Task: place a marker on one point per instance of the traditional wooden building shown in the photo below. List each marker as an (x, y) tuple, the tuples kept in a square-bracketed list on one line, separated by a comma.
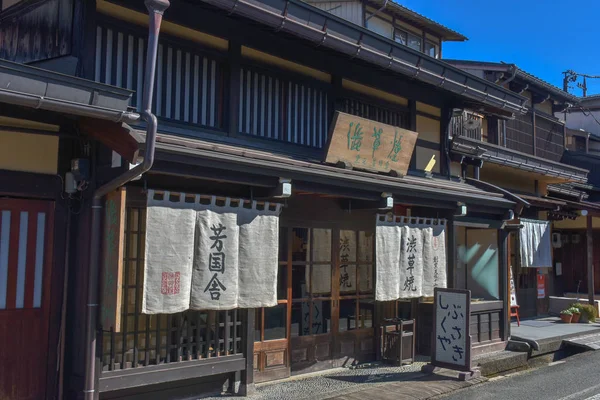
[(524, 156), (247, 96)]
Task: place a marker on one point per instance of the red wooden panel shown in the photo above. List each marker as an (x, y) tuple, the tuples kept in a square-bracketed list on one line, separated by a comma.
[(24, 331)]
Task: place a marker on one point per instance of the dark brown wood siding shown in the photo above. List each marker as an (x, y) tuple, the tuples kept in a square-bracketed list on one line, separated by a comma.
[(519, 134), (36, 32), (549, 138)]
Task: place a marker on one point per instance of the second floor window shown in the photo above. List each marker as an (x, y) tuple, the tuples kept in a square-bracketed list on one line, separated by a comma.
[(408, 39), (430, 49), (400, 36), (414, 42)]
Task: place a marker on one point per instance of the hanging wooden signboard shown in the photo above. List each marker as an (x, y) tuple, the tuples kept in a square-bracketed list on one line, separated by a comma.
[(366, 144), (114, 228)]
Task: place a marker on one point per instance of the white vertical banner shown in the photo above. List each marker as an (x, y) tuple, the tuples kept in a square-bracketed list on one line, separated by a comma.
[(434, 256), (209, 255), (169, 262), (259, 246), (410, 257), (411, 262), (216, 268), (387, 258)]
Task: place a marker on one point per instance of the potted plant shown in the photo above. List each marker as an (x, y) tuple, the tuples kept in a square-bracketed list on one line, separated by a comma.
[(588, 312), (566, 316), (576, 314)]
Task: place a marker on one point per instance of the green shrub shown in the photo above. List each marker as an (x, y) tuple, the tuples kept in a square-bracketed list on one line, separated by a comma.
[(587, 310), (566, 312), (575, 310)]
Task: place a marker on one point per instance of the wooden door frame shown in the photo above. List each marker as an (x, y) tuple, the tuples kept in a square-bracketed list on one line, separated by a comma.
[(334, 336)]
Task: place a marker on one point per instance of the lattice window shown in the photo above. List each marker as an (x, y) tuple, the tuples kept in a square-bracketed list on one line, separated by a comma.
[(374, 112), (189, 84), (158, 339), (282, 109)]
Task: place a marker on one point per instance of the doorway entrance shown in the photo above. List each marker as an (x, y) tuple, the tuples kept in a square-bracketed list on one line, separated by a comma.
[(25, 269), (326, 308)]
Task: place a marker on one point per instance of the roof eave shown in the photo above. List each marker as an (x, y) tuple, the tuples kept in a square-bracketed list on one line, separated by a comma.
[(324, 29)]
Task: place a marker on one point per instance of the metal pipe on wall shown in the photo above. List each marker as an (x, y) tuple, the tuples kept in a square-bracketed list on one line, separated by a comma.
[(156, 8)]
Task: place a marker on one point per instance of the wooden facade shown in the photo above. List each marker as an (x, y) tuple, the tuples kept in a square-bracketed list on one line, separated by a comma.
[(269, 100)]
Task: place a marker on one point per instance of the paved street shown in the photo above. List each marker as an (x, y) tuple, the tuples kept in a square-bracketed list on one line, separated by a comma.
[(575, 378)]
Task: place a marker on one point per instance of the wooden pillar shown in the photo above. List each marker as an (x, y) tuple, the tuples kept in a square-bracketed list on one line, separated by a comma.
[(534, 129), (590, 259), (445, 131), (412, 125), (247, 384), (503, 281), (451, 252)]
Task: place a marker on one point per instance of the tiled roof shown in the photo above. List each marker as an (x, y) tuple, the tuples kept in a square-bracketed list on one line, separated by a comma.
[(554, 90)]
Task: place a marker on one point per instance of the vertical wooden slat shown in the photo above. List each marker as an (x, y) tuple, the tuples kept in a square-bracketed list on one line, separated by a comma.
[(147, 343), (5, 225), (213, 97), (138, 280), (30, 263), (198, 354), (140, 73), (22, 258), (128, 257), (13, 258), (111, 365), (209, 333), (179, 337), (98, 65), (204, 90), (178, 66), (157, 340), (196, 89), (130, 52), (169, 339), (226, 326), (235, 330)]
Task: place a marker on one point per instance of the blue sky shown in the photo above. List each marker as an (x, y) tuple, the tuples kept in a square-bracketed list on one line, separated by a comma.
[(543, 37)]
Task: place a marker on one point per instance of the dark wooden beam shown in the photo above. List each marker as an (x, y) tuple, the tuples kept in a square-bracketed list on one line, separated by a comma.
[(412, 106), (28, 184), (503, 280), (590, 258), (155, 374), (116, 136), (538, 98)]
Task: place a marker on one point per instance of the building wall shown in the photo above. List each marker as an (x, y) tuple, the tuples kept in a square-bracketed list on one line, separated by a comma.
[(349, 10), (28, 152), (577, 120)]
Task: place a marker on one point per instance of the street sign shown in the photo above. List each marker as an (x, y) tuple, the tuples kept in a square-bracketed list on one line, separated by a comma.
[(451, 336)]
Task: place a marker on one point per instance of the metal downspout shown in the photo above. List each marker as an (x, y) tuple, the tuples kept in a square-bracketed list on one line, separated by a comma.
[(156, 8), (514, 69), (376, 12)]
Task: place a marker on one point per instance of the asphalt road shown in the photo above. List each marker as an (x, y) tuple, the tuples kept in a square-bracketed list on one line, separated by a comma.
[(574, 378)]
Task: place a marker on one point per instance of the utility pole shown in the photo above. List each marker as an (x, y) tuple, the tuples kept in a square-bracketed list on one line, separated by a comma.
[(572, 76)]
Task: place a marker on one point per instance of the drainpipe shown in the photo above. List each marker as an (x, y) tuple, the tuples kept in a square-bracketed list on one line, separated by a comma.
[(376, 12), (513, 68), (156, 8)]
